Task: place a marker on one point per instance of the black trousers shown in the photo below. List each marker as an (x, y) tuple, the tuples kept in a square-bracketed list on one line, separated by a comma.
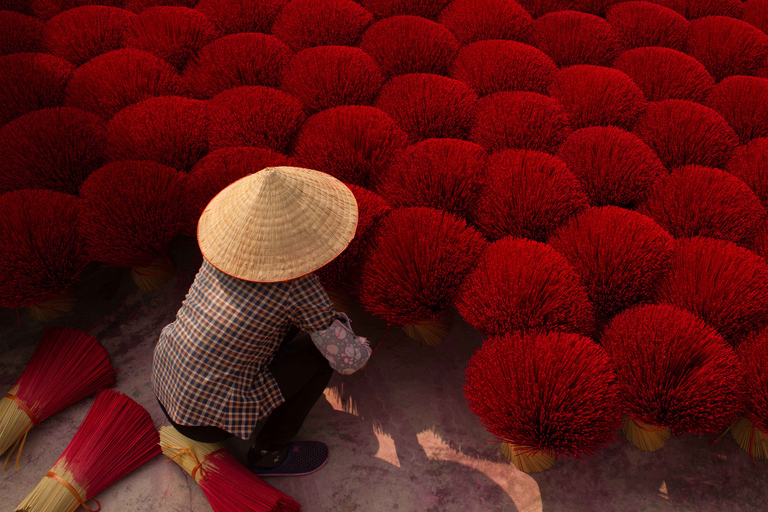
[(302, 373)]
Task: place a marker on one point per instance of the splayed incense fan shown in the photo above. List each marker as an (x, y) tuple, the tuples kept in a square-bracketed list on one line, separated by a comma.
[(116, 437), (67, 366), (227, 484)]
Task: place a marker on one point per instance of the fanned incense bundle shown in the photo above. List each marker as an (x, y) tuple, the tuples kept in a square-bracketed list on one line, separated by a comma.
[(67, 366), (116, 437), (227, 484), (751, 430), (666, 74)]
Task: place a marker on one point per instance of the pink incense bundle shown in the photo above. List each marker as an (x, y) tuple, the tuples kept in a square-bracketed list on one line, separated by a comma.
[(116, 437), (138, 6), (723, 284), (526, 194), (228, 485), (67, 366), (446, 174), (522, 285), (255, 116), (619, 254)]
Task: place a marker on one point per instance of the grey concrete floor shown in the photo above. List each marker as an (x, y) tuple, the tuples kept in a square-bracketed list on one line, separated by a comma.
[(400, 433)]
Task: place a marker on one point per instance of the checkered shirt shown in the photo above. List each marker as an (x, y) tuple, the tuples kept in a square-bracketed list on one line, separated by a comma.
[(210, 365)]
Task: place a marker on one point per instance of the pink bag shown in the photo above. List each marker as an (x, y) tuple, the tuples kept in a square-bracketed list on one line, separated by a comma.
[(345, 351)]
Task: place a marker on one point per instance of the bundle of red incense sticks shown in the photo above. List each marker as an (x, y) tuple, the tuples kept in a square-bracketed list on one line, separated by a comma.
[(116, 437), (67, 366), (227, 484)]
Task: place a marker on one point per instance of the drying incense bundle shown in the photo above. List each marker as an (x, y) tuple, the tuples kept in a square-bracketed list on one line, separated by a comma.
[(227, 484), (116, 436), (67, 366), (751, 430)]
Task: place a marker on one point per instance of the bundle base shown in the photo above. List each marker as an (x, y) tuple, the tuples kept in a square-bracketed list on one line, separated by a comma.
[(51, 496), (645, 436), (53, 308), (750, 438), (14, 425), (431, 332), (527, 458), (153, 276)]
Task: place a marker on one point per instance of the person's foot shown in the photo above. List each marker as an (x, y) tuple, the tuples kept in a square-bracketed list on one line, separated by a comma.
[(302, 458)]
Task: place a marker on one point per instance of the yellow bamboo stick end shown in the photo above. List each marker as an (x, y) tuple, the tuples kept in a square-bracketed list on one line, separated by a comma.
[(54, 308), (152, 277), (645, 436), (528, 459), (51, 496), (432, 332), (750, 438), (190, 455), (14, 422)]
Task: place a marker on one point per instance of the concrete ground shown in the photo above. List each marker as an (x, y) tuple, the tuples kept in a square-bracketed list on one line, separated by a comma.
[(400, 433)]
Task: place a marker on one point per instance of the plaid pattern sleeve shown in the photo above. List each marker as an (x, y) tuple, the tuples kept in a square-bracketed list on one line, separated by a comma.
[(312, 308), (210, 365)]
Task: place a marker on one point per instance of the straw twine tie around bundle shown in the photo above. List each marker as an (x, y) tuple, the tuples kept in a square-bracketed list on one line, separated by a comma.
[(19, 419), (67, 366), (115, 437), (228, 485)]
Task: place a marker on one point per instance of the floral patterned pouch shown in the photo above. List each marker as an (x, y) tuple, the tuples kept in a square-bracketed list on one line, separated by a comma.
[(345, 352)]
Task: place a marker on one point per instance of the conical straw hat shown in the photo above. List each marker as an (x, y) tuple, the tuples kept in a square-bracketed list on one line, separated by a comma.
[(277, 224)]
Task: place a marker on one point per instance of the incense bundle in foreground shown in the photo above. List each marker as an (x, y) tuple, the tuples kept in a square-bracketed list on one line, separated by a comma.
[(67, 366), (543, 395), (675, 374), (228, 485), (116, 437)]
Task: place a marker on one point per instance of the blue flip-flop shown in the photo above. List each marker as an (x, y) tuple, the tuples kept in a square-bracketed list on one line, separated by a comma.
[(304, 457)]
